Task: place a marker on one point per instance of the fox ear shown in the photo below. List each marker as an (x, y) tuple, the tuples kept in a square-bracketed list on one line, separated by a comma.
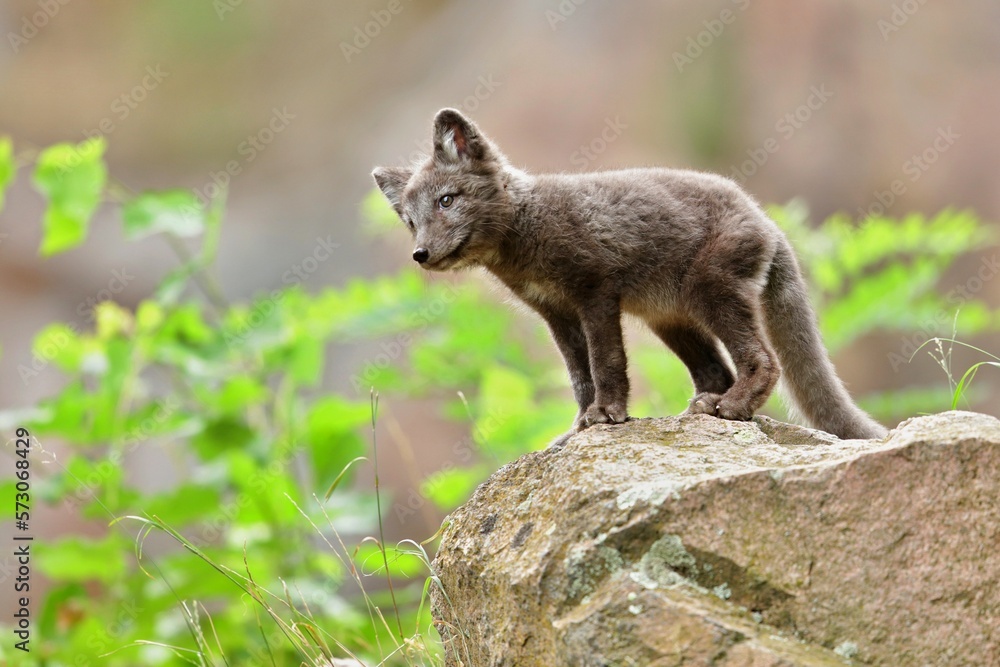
[(457, 138), (391, 181)]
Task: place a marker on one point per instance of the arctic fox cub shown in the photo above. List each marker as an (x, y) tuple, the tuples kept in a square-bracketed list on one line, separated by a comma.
[(689, 253)]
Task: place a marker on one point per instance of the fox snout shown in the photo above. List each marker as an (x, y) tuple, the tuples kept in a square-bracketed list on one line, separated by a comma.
[(438, 254), (432, 258)]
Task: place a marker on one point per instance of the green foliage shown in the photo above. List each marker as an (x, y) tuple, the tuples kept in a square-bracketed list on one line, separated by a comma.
[(72, 179), (8, 168), (885, 273), (232, 555), (175, 211), (228, 403), (82, 560)]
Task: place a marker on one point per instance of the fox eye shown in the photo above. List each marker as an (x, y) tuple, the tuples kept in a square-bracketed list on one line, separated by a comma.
[(446, 201)]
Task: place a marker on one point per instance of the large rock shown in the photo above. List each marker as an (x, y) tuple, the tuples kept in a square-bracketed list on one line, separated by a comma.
[(698, 541)]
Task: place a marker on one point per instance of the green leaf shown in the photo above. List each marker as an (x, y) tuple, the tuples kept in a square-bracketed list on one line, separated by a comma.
[(222, 435), (60, 344), (258, 326), (878, 301), (82, 559), (465, 337), (177, 212), (186, 325), (149, 316), (84, 479), (94, 486), (112, 320), (73, 179), (264, 491), (305, 363), (92, 632), (62, 231), (66, 414), (8, 168), (108, 399), (238, 393), (332, 433), (183, 505)]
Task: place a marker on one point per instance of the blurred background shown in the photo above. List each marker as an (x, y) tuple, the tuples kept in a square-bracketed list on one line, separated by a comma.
[(853, 106), (847, 101)]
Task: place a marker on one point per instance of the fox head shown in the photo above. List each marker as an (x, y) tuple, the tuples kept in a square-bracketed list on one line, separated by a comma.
[(456, 203)]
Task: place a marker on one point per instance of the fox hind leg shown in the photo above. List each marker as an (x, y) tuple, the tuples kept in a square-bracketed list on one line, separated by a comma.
[(699, 351), (735, 318)]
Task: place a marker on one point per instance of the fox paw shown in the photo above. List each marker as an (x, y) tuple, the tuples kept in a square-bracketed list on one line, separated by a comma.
[(707, 403), (615, 413)]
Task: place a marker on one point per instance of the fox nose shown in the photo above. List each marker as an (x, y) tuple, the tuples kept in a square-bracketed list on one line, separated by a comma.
[(421, 255)]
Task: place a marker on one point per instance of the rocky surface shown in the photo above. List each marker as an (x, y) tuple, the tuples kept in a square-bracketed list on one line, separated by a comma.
[(697, 541)]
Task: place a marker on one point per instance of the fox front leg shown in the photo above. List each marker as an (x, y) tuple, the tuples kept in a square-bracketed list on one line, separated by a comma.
[(602, 327), (567, 332)]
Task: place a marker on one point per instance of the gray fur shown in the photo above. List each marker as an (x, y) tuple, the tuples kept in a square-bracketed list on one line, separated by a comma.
[(689, 253)]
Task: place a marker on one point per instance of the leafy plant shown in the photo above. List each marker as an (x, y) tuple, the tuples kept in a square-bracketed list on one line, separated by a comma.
[(226, 403)]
